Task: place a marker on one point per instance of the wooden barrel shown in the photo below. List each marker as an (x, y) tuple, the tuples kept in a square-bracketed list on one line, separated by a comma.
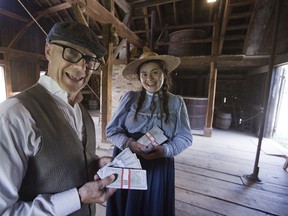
[(223, 120), (196, 108), (178, 47)]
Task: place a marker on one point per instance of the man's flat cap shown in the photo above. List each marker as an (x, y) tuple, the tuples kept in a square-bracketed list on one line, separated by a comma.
[(79, 34)]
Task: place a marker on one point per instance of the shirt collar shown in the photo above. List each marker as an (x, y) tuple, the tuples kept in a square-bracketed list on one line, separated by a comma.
[(53, 87), (155, 93)]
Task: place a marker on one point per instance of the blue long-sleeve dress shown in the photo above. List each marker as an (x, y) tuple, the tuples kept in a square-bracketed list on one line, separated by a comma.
[(159, 198)]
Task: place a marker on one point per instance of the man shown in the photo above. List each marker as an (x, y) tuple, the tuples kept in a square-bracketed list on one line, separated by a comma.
[(47, 146)]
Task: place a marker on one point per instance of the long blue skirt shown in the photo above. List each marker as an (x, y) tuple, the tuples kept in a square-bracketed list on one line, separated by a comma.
[(157, 200)]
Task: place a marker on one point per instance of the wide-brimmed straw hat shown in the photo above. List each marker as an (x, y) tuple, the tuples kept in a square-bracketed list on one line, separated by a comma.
[(131, 70)]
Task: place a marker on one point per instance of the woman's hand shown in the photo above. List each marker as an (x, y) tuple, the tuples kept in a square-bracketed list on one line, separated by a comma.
[(157, 152), (135, 146)]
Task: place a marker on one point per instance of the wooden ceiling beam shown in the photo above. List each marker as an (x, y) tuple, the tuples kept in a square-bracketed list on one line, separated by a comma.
[(193, 11), (79, 14), (140, 17), (195, 41), (249, 28), (123, 5), (152, 3), (235, 37), (187, 26), (39, 15), (54, 9), (146, 22), (13, 15), (159, 15), (20, 53), (237, 27), (123, 43), (225, 60), (175, 14), (223, 26), (240, 15), (49, 4), (242, 3), (96, 11)]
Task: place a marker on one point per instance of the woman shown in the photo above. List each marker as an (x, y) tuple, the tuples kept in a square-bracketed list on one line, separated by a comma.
[(137, 113)]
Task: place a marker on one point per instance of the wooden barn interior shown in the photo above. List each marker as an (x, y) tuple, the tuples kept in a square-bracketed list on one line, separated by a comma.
[(232, 77)]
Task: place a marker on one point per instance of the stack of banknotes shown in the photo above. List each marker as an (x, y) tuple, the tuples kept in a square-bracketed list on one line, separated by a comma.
[(155, 137), (152, 138), (128, 168)]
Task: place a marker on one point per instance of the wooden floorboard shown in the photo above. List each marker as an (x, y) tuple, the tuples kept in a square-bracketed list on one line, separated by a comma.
[(211, 205), (210, 178)]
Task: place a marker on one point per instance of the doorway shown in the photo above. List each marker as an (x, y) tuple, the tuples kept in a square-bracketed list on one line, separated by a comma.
[(280, 128)]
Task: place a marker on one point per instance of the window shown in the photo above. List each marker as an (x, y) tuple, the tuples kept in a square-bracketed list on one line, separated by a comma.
[(2, 85)]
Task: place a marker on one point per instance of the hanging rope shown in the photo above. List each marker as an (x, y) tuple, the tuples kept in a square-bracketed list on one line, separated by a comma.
[(93, 91), (248, 119), (32, 17)]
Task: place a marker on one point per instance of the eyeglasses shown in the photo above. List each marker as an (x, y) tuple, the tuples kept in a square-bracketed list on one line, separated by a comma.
[(74, 56)]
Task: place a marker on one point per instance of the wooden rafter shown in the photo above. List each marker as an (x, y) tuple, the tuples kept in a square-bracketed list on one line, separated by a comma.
[(175, 14), (240, 15), (99, 13), (159, 16), (193, 12), (249, 27), (146, 21), (13, 15), (38, 16), (123, 5), (193, 41), (123, 42), (223, 27), (151, 3), (20, 53), (152, 32)]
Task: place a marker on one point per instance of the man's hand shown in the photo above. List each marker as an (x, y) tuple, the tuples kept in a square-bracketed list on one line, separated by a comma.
[(96, 191)]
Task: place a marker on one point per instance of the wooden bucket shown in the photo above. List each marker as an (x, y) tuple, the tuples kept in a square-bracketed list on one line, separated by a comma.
[(178, 47), (196, 108)]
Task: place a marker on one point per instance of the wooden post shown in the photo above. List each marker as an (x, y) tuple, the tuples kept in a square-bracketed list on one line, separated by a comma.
[(212, 82), (106, 81), (7, 75), (211, 100)]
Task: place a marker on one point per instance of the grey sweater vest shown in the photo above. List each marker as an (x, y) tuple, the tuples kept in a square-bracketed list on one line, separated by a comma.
[(63, 161)]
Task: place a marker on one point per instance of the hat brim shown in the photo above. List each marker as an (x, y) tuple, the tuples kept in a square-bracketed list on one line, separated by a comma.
[(130, 71)]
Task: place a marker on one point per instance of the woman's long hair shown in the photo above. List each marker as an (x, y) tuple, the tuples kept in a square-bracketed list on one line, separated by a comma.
[(165, 88)]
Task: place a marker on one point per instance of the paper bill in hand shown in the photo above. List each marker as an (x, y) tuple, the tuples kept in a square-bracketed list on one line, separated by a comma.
[(126, 159), (155, 136), (129, 170), (127, 178)]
